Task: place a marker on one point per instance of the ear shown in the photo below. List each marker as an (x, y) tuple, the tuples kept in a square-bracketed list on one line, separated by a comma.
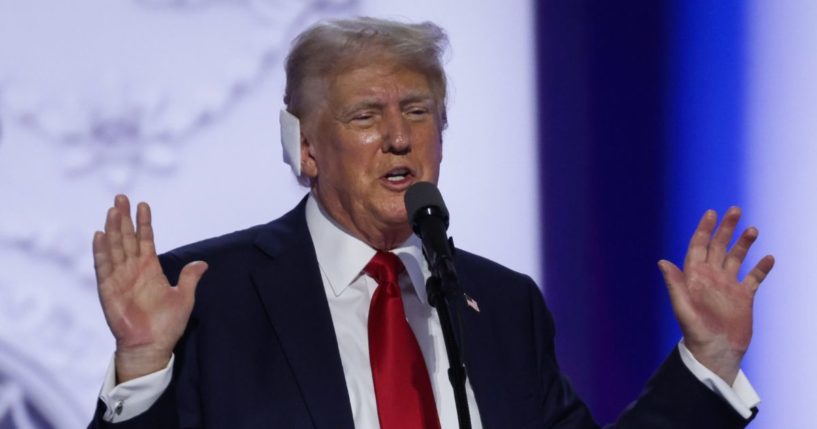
[(441, 148), (309, 165)]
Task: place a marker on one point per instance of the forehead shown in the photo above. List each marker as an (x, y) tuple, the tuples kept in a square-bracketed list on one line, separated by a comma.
[(381, 80)]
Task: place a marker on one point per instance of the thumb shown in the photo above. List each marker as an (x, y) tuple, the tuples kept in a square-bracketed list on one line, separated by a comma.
[(673, 277), (675, 280), (190, 276)]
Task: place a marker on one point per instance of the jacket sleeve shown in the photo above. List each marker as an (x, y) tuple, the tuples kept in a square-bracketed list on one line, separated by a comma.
[(672, 398)]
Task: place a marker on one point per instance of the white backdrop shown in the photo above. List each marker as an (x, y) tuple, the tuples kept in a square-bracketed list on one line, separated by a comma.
[(781, 184), (175, 102)]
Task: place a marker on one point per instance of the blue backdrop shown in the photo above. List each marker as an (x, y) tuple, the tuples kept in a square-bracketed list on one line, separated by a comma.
[(640, 122)]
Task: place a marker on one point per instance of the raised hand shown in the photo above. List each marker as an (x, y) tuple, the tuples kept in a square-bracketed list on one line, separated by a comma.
[(712, 306), (147, 316)]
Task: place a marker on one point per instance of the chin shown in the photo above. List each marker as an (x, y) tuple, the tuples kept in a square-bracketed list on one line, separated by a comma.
[(395, 218), (398, 220)]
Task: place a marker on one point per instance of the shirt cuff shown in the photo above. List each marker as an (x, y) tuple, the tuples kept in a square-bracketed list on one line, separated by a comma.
[(131, 398), (740, 395)]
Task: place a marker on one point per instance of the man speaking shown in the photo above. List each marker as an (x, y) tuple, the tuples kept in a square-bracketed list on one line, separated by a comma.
[(320, 319)]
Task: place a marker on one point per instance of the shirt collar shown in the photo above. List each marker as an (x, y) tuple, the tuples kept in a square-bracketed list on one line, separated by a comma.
[(342, 257)]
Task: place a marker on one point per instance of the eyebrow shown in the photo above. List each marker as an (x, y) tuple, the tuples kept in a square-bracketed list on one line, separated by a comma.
[(414, 97), (373, 103)]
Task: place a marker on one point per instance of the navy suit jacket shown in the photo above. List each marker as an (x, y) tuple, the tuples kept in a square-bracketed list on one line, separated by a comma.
[(260, 350)]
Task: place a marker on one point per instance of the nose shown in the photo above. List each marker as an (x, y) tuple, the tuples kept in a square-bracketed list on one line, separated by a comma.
[(397, 134)]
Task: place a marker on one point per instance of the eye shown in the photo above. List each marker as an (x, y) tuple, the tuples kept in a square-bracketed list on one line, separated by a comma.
[(363, 118), (417, 112)]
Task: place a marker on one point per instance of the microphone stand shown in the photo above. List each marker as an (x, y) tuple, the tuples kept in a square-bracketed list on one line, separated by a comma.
[(443, 287)]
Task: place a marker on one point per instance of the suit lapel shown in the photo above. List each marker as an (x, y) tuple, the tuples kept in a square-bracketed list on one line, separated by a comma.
[(292, 293), (480, 355)]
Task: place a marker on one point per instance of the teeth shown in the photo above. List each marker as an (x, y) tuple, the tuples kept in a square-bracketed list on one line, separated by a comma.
[(397, 175)]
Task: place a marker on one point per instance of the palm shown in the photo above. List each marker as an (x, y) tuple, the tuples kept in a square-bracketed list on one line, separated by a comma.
[(137, 300), (145, 314), (713, 307), (718, 306)]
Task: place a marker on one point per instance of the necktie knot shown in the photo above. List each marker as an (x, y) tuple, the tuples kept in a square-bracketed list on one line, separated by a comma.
[(384, 268)]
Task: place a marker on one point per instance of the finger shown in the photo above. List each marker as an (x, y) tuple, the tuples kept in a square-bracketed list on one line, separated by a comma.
[(129, 244), (190, 276), (102, 258), (113, 233), (144, 229), (759, 273), (674, 279), (700, 238), (736, 255), (716, 253)]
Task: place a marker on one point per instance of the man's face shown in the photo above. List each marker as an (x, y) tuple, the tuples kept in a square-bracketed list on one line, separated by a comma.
[(376, 132)]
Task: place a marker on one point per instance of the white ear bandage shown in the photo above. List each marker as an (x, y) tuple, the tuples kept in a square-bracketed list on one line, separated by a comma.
[(291, 142)]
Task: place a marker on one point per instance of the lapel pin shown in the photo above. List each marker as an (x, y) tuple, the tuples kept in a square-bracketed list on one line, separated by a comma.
[(471, 302)]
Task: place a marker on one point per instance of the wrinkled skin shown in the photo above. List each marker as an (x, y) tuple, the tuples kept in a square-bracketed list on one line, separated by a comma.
[(713, 307)]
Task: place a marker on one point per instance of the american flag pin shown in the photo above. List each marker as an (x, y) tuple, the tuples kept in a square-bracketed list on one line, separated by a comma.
[(471, 302)]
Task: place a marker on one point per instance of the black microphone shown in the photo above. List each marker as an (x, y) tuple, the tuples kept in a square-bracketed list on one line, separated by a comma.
[(429, 219)]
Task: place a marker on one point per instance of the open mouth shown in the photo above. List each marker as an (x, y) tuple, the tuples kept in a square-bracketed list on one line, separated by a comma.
[(397, 175)]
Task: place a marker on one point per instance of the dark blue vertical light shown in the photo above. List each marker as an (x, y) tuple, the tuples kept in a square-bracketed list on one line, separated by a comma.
[(704, 162), (602, 110)]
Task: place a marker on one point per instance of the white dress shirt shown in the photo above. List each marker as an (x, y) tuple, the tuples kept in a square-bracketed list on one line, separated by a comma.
[(342, 258)]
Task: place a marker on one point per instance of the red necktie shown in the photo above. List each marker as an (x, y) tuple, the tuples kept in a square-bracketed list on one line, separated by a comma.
[(401, 384)]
